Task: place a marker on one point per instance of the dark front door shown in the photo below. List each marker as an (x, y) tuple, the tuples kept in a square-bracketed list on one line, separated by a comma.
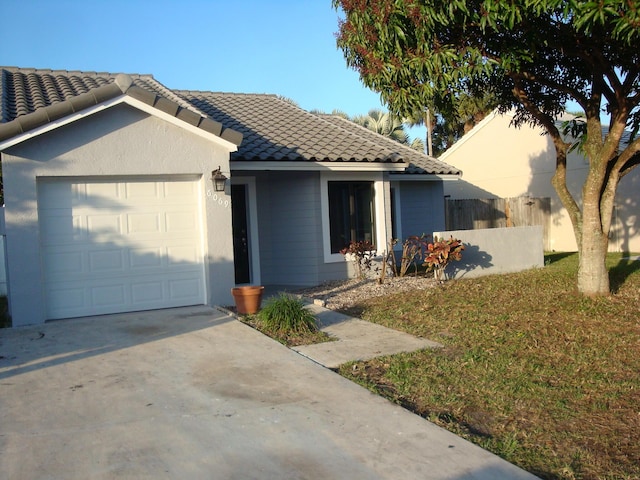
[(240, 233)]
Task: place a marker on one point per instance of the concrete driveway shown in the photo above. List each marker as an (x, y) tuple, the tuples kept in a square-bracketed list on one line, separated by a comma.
[(192, 393)]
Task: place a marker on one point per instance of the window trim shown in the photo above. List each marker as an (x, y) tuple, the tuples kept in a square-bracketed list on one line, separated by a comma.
[(378, 207), (396, 212)]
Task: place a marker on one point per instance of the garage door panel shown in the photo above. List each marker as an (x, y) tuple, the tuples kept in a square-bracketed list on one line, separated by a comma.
[(183, 289), (99, 193), (145, 258), (102, 224), (120, 246), (106, 261), (180, 255), (143, 190), (107, 296), (63, 263), (181, 222), (143, 223), (69, 299), (63, 195), (147, 292), (62, 228), (177, 191)]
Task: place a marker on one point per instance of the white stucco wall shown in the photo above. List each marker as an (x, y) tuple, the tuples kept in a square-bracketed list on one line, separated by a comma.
[(119, 142), (500, 161)]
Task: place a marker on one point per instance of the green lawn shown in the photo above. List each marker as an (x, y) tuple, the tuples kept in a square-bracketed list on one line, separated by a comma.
[(530, 369)]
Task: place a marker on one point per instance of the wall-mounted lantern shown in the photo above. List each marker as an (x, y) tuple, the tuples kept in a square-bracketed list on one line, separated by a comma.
[(219, 180)]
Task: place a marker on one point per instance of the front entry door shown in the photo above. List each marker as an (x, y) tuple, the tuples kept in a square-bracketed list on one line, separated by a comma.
[(240, 233)]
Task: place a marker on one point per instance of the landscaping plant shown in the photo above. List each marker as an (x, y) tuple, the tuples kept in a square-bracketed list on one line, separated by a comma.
[(413, 249), (361, 254), (286, 315), (441, 253)]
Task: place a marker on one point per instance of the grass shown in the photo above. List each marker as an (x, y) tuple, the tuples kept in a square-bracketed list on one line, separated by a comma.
[(530, 369), (285, 319)]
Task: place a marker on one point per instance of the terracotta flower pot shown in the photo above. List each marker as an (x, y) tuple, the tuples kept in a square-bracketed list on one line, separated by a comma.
[(247, 299)]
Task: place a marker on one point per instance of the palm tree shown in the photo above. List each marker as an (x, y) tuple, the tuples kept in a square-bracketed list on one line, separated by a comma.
[(384, 124), (427, 118), (417, 144)]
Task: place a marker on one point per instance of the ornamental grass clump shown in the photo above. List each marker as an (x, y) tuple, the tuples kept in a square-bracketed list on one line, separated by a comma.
[(286, 315)]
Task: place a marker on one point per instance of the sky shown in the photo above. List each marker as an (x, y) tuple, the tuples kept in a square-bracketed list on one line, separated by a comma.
[(284, 47)]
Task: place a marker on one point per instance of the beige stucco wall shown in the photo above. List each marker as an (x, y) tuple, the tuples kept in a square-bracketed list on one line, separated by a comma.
[(499, 161), (119, 142)]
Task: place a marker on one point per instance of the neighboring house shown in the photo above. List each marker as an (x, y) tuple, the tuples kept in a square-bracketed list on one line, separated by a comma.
[(501, 161), (110, 207)]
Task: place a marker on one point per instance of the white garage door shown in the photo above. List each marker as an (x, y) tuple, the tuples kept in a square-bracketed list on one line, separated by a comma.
[(120, 246)]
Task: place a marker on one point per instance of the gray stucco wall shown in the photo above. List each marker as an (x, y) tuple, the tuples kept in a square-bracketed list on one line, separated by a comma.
[(3, 264), (496, 250), (290, 227), (422, 207), (119, 142)]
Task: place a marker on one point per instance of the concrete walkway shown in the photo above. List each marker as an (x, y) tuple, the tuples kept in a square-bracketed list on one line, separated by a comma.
[(357, 340), (194, 393)]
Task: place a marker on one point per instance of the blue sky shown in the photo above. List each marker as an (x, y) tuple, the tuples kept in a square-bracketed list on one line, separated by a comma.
[(286, 47)]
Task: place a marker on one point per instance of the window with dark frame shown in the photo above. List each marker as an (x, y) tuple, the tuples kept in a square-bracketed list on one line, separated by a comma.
[(351, 213)]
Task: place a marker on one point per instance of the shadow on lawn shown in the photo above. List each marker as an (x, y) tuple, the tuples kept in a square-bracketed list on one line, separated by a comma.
[(618, 275), (550, 258)]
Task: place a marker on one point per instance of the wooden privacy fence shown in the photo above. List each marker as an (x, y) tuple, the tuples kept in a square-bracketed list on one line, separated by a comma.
[(473, 214)]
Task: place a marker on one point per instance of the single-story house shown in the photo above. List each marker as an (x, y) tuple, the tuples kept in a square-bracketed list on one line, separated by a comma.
[(501, 161), (110, 204)]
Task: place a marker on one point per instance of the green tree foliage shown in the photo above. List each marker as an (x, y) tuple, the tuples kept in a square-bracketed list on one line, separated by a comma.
[(447, 127), (532, 56)]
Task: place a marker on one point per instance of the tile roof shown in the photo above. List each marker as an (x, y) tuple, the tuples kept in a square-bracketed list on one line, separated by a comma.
[(419, 163), (277, 130), (266, 127), (31, 98)]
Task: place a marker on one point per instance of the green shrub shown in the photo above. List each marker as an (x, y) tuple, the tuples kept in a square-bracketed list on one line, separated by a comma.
[(286, 314)]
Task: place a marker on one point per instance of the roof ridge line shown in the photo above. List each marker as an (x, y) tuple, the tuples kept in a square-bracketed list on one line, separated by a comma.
[(182, 91), (122, 84), (91, 73)]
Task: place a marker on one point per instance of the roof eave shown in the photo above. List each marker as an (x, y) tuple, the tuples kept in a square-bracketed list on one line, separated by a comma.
[(317, 166), (425, 177), (121, 90)]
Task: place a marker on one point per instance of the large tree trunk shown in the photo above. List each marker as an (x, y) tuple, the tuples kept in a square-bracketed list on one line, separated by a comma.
[(593, 277), (591, 224)]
